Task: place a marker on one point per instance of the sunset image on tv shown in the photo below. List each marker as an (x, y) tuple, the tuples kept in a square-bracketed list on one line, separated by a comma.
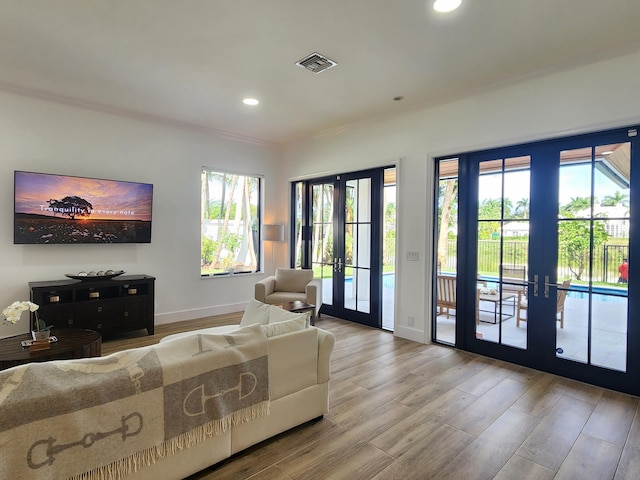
[(66, 209)]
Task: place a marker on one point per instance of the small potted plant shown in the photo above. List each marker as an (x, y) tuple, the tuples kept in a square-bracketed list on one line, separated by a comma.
[(12, 314)]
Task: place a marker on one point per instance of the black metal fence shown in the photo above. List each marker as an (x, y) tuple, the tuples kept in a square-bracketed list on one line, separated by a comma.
[(606, 260)]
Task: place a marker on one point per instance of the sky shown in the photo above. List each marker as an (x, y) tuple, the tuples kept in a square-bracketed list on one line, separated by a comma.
[(111, 200), (574, 182)]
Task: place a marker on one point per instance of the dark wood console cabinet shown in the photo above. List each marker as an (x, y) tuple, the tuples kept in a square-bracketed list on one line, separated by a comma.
[(120, 304)]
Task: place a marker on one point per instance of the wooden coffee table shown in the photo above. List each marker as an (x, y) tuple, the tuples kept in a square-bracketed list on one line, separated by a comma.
[(301, 307), (72, 343)]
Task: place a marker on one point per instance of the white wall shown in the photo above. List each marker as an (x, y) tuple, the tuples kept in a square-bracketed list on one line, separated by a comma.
[(43, 136), (593, 97)]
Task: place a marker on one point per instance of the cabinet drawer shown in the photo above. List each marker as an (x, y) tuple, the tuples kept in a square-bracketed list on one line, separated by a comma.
[(99, 315), (60, 316), (136, 312)]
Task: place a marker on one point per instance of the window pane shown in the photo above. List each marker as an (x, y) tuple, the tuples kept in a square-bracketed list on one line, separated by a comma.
[(230, 223)]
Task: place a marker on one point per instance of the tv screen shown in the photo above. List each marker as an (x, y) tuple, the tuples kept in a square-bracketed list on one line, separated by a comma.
[(57, 209)]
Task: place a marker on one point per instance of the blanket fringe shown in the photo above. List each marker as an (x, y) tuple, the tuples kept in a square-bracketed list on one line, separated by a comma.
[(119, 469)]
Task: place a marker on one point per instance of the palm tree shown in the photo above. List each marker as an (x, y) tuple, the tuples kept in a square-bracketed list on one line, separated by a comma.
[(490, 209), (577, 204), (522, 208), (618, 198), (448, 206)]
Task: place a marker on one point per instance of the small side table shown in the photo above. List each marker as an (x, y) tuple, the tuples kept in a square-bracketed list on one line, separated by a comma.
[(72, 343), (301, 307)]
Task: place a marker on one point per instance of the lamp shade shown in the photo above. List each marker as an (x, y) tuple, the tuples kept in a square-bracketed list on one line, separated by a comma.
[(273, 233)]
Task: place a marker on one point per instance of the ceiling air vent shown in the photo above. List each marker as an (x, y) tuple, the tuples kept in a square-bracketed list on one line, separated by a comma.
[(316, 63)]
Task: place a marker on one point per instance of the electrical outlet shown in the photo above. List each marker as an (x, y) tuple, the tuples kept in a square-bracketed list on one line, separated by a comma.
[(410, 320)]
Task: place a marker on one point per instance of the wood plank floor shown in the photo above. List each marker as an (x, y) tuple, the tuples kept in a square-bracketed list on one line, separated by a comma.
[(402, 410)]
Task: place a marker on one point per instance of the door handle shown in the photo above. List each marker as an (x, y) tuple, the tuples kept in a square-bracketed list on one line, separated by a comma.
[(535, 285), (337, 262), (547, 285)]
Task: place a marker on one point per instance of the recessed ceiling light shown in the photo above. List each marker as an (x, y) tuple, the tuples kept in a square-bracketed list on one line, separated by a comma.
[(250, 101), (445, 6)]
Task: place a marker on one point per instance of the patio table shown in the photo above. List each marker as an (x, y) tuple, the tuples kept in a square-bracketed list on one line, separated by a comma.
[(499, 301)]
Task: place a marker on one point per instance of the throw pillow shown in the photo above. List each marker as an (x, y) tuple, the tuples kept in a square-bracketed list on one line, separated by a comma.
[(279, 314), (279, 328), (256, 312)]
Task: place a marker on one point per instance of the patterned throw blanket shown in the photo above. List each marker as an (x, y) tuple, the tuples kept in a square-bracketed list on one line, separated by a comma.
[(105, 417)]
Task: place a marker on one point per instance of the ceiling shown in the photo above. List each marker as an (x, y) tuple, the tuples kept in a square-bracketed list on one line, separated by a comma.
[(192, 62)]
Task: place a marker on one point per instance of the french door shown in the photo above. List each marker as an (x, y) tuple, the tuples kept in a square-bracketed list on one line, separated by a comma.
[(548, 240), (344, 243)]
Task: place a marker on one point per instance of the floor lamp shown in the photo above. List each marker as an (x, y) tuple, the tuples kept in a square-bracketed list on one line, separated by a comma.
[(273, 233)]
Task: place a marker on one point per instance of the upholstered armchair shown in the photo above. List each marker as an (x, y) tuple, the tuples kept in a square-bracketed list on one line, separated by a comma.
[(289, 285)]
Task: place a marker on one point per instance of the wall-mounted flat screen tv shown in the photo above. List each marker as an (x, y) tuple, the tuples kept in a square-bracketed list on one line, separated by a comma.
[(58, 209)]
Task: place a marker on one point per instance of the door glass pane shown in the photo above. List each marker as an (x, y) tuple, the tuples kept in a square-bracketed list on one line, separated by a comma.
[(297, 216), (357, 290), (503, 246), (363, 241), (593, 245), (389, 250), (357, 245), (444, 325), (350, 298), (350, 244), (322, 258)]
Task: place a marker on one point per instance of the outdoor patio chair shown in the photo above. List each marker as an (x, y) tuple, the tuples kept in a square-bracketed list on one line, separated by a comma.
[(516, 274), (446, 294), (562, 295)]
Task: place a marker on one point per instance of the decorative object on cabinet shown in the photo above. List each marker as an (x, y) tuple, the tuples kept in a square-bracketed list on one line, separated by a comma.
[(93, 275)]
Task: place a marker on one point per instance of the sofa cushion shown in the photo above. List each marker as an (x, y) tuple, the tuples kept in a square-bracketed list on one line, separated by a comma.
[(291, 325), (292, 280), (256, 312), (293, 361), (279, 314)]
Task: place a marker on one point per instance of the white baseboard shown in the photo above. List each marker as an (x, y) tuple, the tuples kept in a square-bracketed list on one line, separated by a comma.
[(172, 317), (410, 334)]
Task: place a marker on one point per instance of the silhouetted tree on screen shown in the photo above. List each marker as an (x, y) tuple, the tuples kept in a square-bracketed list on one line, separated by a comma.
[(71, 206)]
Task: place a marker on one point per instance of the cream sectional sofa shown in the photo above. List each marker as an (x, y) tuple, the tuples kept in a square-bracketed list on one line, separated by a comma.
[(299, 373)]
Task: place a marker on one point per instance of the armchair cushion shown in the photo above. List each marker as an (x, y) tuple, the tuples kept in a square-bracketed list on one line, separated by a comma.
[(292, 280)]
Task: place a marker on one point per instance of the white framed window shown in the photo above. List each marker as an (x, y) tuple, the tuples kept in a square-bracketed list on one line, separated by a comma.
[(230, 223)]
